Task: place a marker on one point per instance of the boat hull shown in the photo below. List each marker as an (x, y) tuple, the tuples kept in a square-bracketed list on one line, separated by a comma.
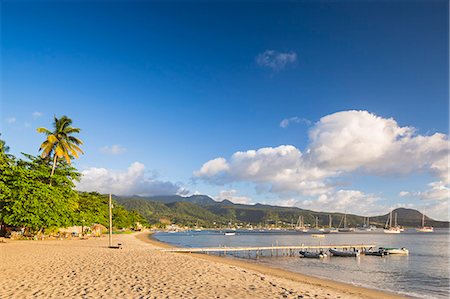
[(401, 251), (335, 252), (312, 255)]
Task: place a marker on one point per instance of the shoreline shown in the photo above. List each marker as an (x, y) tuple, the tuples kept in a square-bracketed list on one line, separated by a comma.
[(362, 292)]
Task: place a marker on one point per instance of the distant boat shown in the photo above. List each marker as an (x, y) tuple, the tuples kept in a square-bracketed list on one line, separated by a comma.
[(313, 255), (335, 252), (318, 235), (230, 233), (345, 229), (379, 252), (423, 228), (300, 226), (396, 250), (388, 228)]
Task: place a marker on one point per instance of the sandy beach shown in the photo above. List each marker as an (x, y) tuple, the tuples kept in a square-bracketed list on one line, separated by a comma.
[(88, 269)]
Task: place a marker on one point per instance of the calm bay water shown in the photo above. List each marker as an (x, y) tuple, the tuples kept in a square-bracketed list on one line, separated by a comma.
[(423, 274)]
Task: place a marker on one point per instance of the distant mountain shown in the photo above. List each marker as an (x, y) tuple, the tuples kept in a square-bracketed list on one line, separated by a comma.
[(205, 211), (196, 199), (408, 217)]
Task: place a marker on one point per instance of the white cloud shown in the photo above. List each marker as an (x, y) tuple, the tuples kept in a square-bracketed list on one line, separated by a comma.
[(115, 149), (280, 168), (287, 121), (343, 201), (212, 168), (404, 193), (231, 196), (437, 191), (132, 181), (351, 140), (438, 210), (275, 60), (339, 144), (11, 120), (37, 114)]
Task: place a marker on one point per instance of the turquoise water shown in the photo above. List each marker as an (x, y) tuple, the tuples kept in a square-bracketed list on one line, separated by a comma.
[(423, 274)]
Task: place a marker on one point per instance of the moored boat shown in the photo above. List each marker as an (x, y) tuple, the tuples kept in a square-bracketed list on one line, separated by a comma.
[(345, 229), (423, 228), (379, 252), (318, 235), (313, 255), (335, 252), (396, 250), (388, 228)]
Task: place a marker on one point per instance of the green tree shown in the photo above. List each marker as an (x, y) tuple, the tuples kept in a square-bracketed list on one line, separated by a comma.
[(31, 202), (3, 147), (60, 142)]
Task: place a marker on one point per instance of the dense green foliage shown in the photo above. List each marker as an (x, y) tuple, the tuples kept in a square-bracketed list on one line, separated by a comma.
[(28, 201)]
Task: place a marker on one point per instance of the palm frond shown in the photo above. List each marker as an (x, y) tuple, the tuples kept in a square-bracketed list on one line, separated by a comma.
[(43, 130)]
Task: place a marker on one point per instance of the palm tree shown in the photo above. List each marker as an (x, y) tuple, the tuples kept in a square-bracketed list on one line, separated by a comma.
[(3, 147), (60, 142)]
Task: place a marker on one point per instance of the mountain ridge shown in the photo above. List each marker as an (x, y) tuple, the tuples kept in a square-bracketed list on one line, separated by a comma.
[(207, 212)]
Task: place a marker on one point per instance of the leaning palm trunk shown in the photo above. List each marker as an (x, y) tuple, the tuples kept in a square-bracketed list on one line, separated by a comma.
[(53, 168)]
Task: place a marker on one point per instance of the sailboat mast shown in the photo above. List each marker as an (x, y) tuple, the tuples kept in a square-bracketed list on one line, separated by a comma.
[(423, 220), (395, 223), (329, 220)]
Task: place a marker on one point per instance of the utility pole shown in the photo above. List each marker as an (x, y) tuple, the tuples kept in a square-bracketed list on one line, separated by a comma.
[(110, 220)]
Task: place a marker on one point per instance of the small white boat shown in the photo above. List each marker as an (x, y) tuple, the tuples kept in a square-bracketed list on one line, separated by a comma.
[(423, 228), (230, 233), (318, 235), (396, 250), (389, 229)]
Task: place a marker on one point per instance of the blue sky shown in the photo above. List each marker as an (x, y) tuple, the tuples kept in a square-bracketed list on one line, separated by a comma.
[(175, 85)]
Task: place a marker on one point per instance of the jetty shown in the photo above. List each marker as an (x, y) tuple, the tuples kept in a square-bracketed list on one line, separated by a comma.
[(274, 250)]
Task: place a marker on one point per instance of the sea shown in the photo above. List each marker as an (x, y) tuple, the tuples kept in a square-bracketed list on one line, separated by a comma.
[(424, 273)]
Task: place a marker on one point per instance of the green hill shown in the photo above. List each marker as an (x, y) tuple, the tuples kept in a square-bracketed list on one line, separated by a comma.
[(202, 210)]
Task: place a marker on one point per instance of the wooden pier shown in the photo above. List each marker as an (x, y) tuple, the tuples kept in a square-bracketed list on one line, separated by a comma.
[(276, 250)]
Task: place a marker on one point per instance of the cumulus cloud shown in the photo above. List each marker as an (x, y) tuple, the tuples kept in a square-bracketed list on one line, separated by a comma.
[(287, 121), (131, 181), (231, 196), (437, 191), (275, 60), (115, 149), (343, 201), (339, 144), (280, 168)]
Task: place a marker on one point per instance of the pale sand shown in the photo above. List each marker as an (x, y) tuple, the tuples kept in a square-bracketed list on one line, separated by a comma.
[(88, 269)]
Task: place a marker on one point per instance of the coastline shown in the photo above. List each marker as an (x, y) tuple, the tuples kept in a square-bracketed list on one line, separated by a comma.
[(360, 291), (89, 269)]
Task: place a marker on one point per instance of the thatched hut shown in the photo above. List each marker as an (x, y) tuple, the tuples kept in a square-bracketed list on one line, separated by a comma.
[(98, 229)]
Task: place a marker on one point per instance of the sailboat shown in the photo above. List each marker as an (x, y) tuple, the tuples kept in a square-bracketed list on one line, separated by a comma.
[(300, 226), (345, 229), (388, 228), (330, 228), (316, 229), (423, 228)]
